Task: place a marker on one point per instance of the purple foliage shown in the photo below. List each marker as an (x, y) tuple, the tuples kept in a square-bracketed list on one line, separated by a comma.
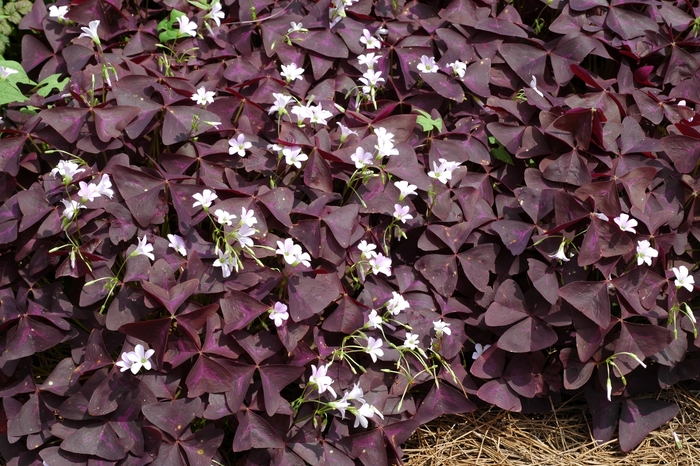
[(236, 233)]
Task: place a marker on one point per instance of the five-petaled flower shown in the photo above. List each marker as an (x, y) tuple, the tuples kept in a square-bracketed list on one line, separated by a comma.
[(361, 158), (71, 209), (67, 170), (321, 380), (294, 156), (187, 27), (411, 341), (216, 14), (401, 213), (204, 199), (178, 244), (396, 304), (91, 31), (143, 249), (380, 264), (223, 217), (345, 132), (369, 60), (459, 68), (292, 253), (239, 145), (374, 348), (374, 320), (278, 313), (440, 327), (227, 262), (280, 105), (683, 278), (291, 72), (367, 249), (405, 189), (365, 412), (58, 12), (645, 252), (369, 40), (203, 96), (561, 254), (443, 172), (626, 223), (427, 65), (135, 360)]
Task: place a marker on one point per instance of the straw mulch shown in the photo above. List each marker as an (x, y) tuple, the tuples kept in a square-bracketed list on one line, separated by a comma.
[(563, 437)]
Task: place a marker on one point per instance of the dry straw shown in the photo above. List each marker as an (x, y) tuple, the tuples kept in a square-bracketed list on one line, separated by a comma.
[(563, 437)]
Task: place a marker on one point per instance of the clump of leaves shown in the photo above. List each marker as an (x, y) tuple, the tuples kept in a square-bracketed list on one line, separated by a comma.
[(11, 13)]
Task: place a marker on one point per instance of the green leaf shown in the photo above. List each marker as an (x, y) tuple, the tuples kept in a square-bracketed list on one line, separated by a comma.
[(201, 6), (9, 93), (167, 23), (50, 83), (19, 77), (499, 151), (427, 122), (168, 35)]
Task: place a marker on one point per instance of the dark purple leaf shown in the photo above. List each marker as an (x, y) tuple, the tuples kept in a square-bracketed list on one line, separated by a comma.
[(639, 417)]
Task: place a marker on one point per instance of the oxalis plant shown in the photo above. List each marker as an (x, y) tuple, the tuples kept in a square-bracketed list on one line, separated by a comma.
[(292, 232)]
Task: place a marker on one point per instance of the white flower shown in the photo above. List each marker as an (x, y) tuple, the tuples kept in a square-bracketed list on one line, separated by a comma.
[(280, 105), (626, 223), (58, 12), (135, 360), (291, 72), (345, 132), (187, 27), (71, 209), (601, 216), (104, 187), (279, 314), (355, 393), (205, 199), (386, 149), (681, 103), (458, 68), (365, 412), (367, 249), (371, 79), (645, 252), (361, 158), (683, 278), (296, 27), (91, 31), (396, 304), (216, 14), (560, 254), (239, 145), (5, 72), (227, 263), (370, 41), (243, 234), (533, 85), (405, 188), (143, 249), (608, 389), (67, 170), (443, 172), (441, 327), (380, 264), (302, 112), (341, 405), (292, 253), (411, 341), (401, 213), (374, 320), (223, 217), (319, 116), (369, 59), (374, 348), (203, 96), (294, 156), (322, 381), (178, 244), (383, 136), (88, 192), (275, 148), (427, 65), (479, 350), (248, 217)]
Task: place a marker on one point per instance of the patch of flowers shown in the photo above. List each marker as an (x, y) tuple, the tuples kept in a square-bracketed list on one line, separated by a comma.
[(292, 232)]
